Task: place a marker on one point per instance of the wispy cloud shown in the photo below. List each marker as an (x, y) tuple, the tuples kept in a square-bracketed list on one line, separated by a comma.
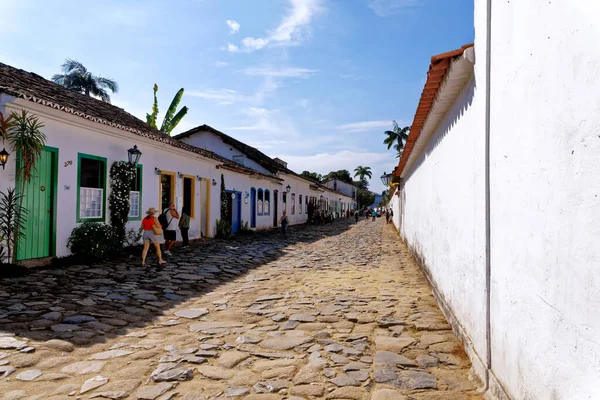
[(270, 122), (221, 64), (221, 96), (284, 72), (234, 26), (324, 162), (364, 126), (289, 32), (384, 8)]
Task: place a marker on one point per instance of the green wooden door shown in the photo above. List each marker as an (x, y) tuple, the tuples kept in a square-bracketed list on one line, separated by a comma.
[(40, 201)]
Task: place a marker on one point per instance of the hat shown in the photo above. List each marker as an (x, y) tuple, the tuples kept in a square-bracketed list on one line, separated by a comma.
[(151, 211)]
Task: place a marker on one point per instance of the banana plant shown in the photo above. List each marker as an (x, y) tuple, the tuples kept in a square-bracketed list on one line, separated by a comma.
[(171, 119)]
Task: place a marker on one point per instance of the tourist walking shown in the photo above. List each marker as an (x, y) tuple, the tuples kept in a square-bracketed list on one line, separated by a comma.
[(284, 223), (356, 216), (391, 216), (387, 216), (170, 233), (184, 227), (374, 215), (152, 231)]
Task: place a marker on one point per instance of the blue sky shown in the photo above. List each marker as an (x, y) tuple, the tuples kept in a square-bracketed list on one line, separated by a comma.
[(314, 82)]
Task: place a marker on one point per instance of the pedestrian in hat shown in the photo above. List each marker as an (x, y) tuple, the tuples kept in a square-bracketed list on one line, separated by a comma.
[(152, 232)]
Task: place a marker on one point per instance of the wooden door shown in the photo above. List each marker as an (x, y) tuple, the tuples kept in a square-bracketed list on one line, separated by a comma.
[(39, 199)]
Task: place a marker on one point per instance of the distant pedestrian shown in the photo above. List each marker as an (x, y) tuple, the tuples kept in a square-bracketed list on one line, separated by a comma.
[(391, 216), (284, 223), (152, 231), (184, 227), (374, 215), (387, 216), (355, 216), (170, 232)]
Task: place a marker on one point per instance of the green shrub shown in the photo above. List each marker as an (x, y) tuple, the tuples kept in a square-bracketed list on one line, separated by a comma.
[(94, 241), (245, 229), (223, 229)]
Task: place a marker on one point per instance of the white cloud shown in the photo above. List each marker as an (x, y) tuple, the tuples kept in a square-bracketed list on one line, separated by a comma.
[(270, 122), (285, 72), (234, 26), (290, 30), (221, 64), (325, 162), (222, 96), (384, 8), (365, 126)]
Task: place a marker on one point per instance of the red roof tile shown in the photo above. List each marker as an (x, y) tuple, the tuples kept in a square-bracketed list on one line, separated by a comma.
[(435, 76)]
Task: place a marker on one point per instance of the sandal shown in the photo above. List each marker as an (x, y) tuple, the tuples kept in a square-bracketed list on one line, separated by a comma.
[(162, 263)]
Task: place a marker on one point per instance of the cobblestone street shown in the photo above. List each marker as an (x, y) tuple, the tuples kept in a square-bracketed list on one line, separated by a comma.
[(334, 312)]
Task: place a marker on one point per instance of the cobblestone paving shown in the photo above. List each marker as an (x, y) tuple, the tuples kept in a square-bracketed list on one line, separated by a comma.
[(335, 312)]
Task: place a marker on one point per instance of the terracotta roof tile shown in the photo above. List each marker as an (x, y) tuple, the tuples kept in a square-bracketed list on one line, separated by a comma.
[(438, 69)]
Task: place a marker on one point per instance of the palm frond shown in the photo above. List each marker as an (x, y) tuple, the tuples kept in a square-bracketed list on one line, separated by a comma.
[(71, 65), (171, 110), (58, 78), (107, 83), (6, 125)]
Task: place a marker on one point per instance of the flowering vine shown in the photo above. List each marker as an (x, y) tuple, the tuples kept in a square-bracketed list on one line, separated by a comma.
[(122, 175)]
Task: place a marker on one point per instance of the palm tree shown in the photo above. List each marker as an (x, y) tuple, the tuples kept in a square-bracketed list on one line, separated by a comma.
[(361, 172), (396, 137), (171, 119), (76, 77)]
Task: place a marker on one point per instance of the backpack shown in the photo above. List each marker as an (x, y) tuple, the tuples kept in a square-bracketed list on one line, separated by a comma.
[(162, 219)]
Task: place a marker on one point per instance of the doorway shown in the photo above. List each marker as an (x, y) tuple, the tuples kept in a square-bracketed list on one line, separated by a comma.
[(234, 210), (167, 189), (275, 208), (39, 198), (252, 208)]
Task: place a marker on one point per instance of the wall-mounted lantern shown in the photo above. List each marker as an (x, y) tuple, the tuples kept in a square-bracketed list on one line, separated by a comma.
[(385, 179), (179, 174), (157, 171), (198, 177), (3, 157), (134, 155), (233, 196), (288, 188), (214, 183)]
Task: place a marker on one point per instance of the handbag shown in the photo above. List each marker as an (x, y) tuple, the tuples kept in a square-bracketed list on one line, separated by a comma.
[(157, 231)]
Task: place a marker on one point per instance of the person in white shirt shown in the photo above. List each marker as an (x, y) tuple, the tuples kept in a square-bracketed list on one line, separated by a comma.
[(170, 232)]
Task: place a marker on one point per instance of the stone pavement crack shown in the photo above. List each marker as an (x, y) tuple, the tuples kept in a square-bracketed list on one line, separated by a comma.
[(331, 312)]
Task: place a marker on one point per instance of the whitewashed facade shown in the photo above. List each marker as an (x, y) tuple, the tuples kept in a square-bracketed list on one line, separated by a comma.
[(498, 199)]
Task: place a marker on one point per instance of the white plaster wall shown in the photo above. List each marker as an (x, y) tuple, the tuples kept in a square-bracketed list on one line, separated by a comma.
[(73, 135), (212, 142), (545, 199), (444, 214)]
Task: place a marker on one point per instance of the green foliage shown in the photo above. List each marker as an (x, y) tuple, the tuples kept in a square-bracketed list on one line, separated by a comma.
[(245, 228), (223, 229), (365, 198), (28, 140), (171, 118), (362, 172), (313, 176), (151, 118), (122, 175), (396, 137), (12, 220), (133, 237), (76, 77), (224, 199), (94, 241), (341, 175), (5, 125)]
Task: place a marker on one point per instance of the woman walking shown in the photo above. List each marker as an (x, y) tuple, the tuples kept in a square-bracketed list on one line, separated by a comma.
[(152, 230), (284, 223)]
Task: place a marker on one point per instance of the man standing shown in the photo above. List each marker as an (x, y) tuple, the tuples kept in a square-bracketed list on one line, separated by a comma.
[(170, 232)]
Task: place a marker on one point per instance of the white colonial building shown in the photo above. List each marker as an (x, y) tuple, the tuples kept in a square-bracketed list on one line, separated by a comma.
[(86, 136), (499, 196)]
